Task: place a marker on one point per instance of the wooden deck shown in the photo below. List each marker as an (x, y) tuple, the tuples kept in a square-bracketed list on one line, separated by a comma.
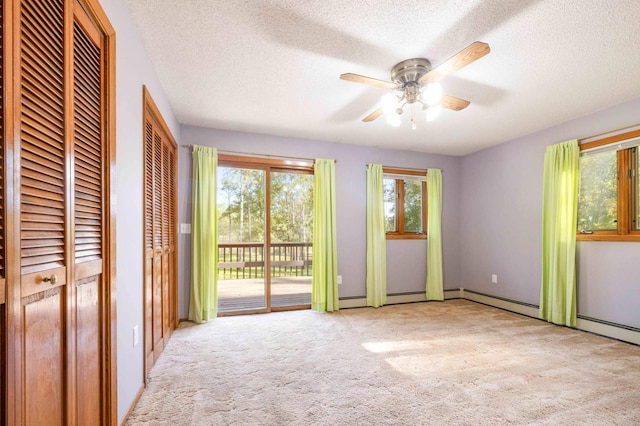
[(249, 294)]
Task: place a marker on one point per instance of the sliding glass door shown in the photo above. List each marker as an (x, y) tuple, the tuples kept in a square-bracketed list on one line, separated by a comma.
[(241, 239), (291, 232), (265, 228)]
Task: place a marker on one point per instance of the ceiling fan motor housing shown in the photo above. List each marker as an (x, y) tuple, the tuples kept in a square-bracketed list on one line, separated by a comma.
[(406, 75), (410, 71)]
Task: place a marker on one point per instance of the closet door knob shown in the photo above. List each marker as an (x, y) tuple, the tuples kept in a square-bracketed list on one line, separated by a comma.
[(52, 279)]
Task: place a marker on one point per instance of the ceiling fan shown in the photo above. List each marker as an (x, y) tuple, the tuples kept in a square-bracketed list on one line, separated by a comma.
[(418, 83)]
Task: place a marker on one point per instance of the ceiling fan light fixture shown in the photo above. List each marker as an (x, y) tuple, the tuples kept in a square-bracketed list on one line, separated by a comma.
[(389, 103), (433, 112), (433, 93), (394, 120)]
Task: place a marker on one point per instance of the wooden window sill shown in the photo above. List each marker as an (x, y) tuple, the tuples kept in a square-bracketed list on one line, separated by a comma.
[(406, 236), (607, 237)]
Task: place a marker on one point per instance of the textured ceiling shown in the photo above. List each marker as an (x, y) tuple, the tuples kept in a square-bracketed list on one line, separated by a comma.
[(273, 67)]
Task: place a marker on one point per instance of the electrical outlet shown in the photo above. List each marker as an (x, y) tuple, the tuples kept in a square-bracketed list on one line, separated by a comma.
[(339, 279), (135, 336), (494, 278)]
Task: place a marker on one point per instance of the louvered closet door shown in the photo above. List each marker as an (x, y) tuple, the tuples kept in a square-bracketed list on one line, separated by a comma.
[(170, 246), (168, 237), (160, 239), (156, 286), (158, 329), (56, 238), (88, 215), (148, 245), (44, 224), (165, 240), (61, 216)]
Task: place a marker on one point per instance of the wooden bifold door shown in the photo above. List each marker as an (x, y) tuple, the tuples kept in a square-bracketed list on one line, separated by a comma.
[(160, 229), (57, 254)]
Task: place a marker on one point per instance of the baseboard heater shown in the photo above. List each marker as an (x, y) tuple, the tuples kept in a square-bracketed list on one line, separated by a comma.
[(600, 327)]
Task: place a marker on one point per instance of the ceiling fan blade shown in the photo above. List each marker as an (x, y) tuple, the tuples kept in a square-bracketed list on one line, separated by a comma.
[(451, 102), (469, 54), (357, 78), (375, 114)]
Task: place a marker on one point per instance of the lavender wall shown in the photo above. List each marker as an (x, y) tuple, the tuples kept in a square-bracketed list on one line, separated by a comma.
[(133, 70), (501, 225), (406, 260), (491, 214)]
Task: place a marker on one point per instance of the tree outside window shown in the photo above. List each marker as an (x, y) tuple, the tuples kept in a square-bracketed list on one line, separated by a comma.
[(608, 199), (405, 204)]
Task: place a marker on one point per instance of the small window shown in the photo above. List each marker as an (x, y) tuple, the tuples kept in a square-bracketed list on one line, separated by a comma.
[(405, 204), (608, 197), (635, 167), (598, 199)]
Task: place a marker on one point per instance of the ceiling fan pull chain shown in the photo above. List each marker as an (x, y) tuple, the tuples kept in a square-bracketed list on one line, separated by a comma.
[(413, 122)]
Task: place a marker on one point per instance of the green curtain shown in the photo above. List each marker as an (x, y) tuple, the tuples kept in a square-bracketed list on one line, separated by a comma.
[(203, 304), (434, 235), (376, 238), (559, 223), (324, 287)]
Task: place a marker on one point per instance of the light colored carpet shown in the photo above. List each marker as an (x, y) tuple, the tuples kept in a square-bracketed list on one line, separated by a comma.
[(450, 363)]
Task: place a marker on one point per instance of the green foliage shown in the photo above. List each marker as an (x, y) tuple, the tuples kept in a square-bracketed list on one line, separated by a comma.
[(291, 207), (241, 206), (412, 206), (389, 205), (598, 196)]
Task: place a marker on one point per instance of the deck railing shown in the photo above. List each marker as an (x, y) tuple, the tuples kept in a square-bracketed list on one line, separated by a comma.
[(246, 260)]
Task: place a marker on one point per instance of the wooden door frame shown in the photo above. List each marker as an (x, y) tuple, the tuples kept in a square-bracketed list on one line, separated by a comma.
[(109, 318), (151, 111), (8, 104), (268, 166)]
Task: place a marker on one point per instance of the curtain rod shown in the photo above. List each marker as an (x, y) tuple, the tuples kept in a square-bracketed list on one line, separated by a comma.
[(608, 132), (260, 155), (413, 169)]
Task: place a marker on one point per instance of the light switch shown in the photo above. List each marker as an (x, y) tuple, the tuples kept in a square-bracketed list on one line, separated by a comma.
[(185, 228)]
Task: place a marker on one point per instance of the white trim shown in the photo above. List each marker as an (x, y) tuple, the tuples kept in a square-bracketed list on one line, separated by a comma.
[(361, 302), (608, 330), (353, 303), (502, 304), (584, 324)]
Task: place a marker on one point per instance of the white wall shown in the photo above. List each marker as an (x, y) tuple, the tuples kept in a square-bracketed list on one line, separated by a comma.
[(133, 70)]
